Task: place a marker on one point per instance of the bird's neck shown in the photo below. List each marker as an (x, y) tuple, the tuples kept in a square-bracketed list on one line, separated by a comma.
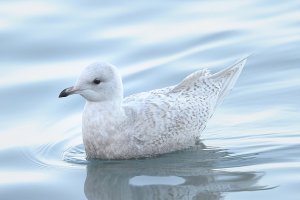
[(105, 107)]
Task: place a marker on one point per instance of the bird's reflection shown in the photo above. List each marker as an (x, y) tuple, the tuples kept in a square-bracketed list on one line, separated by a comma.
[(191, 174)]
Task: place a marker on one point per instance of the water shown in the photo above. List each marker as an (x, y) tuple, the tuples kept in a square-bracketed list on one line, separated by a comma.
[(251, 147)]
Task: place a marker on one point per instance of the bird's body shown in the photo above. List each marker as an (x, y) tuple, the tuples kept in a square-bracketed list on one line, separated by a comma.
[(154, 122)]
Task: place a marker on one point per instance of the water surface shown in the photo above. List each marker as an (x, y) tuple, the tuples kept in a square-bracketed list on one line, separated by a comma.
[(251, 147)]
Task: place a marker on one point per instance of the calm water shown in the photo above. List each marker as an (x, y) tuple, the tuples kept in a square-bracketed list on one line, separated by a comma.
[(251, 147)]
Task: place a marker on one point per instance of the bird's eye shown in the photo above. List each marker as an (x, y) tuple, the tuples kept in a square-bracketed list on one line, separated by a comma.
[(96, 81)]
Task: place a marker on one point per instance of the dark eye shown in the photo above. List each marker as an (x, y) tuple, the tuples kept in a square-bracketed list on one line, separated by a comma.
[(96, 81)]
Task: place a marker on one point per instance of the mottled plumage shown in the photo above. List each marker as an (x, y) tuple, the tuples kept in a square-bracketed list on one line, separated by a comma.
[(148, 123)]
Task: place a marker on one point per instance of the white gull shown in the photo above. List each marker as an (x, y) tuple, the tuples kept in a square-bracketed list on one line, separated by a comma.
[(148, 123)]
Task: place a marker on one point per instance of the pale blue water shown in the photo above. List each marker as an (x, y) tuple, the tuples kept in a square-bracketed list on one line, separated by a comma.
[(251, 146)]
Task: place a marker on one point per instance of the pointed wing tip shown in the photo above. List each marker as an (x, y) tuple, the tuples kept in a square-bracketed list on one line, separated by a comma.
[(237, 66), (229, 76), (243, 60)]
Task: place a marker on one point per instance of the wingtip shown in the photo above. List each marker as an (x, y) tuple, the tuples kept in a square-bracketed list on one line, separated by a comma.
[(242, 60), (237, 67), (229, 76)]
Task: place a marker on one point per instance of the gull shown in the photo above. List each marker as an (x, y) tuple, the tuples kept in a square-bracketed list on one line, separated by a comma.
[(148, 123)]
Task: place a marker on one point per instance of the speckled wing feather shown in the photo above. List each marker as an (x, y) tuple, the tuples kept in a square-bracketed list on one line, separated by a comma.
[(173, 117)]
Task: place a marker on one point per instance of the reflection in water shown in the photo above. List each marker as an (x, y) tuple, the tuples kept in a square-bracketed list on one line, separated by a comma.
[(192, 174)]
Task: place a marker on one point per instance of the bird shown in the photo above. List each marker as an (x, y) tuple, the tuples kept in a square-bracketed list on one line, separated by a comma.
[(149, 123)]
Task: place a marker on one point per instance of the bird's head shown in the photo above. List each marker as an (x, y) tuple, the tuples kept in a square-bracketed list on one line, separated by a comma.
[(98, 82)]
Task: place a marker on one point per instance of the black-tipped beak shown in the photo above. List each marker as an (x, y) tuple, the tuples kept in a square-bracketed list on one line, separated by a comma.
[(66, 92)]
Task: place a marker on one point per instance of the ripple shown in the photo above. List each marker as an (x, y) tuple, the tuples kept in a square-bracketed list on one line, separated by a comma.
[(70, 152), (63, 149), (58, 154), (75, 155)]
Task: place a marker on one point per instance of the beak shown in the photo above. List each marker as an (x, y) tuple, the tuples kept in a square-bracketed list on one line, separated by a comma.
[(68, 91)]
